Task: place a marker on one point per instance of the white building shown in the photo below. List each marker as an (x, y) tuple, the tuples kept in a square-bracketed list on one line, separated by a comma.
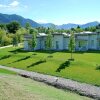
[(84, 41), (87, 41)]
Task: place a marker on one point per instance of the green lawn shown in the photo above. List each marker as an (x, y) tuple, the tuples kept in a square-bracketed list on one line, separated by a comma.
[(4, 71), (83, 69), (18, 88)]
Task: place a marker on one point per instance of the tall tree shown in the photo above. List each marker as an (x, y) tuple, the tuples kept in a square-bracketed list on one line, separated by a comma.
[(72, 44), (13, 27), (48, 43), (3, 26), (15, 40), (28, 27), (32, 42)]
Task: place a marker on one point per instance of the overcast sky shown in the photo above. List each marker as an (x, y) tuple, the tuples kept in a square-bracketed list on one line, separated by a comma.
[(54, 11)]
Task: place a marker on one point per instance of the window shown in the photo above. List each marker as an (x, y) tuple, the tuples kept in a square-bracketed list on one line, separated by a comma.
[(45, 44), (99, 43), (92, 43), (79, 44), (57, 44)]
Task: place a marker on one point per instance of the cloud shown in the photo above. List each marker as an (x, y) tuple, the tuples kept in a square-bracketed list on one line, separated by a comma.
[(14, 4), (3, 6)]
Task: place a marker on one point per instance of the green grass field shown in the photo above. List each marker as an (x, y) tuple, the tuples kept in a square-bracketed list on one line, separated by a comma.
[(82, 69), (4, 71), (14, 87)]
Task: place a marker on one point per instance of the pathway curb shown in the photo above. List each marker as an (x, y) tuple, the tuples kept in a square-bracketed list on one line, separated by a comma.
[(66, 84)]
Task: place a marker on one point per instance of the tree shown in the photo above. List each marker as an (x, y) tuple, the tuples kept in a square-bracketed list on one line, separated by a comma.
[(32, 42), (98, 26), (48, 43), (78, 26), (33, 30), (13, 27), (5, 40), (78, 29), (3, 26), (15, 40), (72, 44), (2, 33), (20, 34), (28, 27)]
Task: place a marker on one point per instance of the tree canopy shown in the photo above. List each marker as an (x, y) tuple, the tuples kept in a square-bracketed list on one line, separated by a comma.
[(13, 27)]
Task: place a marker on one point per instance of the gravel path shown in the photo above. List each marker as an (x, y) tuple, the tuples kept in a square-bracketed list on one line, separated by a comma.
[(81, 88)]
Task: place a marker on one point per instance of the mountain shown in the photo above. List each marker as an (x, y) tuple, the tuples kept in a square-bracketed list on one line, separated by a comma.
[(95, 23), (5, 18), (67, 26), (71, 25), (63, 26), (48, 25)]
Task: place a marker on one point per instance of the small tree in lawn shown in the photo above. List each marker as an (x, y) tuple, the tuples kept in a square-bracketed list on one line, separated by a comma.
[(33, 41), (72, 44), (48, 43), (15, 40)]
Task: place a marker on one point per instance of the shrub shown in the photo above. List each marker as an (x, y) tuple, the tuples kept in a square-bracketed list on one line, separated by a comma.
[(97, 67)]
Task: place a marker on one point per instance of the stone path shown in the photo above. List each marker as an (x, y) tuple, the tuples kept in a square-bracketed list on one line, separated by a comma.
[(66, 84)]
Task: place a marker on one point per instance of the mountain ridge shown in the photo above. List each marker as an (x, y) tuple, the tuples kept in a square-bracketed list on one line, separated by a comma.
[(72, 25), (6, 18)]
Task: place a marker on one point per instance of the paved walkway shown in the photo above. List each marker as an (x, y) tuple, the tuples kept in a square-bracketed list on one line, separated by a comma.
[(9, 46), (81, 88), (6, 46)]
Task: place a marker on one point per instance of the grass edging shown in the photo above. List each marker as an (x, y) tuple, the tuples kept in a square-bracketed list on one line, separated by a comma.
[(59, 85)]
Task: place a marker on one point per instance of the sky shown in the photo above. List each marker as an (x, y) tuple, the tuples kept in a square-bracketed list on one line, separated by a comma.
[(54, 11)]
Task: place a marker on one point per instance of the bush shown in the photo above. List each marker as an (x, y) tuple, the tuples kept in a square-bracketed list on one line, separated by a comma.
[(97, 67), (5, 41)]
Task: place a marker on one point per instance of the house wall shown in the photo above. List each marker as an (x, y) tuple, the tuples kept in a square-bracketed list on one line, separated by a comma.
[(26, 46), (42, 43), (37, 44), (98, 42), (81, 38), (59, 39), (65, 43), (92, 42)]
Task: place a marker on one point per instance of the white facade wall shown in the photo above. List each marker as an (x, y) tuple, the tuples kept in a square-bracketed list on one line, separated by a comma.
[(42, 43), (92, 41), (26, 47), (61, 42), (98, 41), (58, 42), (65, 43), (37, 44), (82, 39)]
